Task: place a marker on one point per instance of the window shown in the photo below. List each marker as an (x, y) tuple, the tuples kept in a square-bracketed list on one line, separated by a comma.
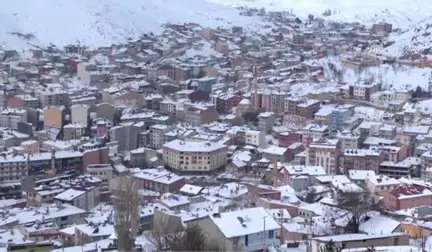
[(271, 234)]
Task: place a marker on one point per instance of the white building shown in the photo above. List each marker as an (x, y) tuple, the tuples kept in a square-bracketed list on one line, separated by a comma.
[(250, 229), (255, 138), (194, 155), (80, 114), (10, 117)]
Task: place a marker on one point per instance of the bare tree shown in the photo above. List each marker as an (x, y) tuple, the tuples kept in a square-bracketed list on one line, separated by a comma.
[(126, 214), (167, 236), (358, 204)]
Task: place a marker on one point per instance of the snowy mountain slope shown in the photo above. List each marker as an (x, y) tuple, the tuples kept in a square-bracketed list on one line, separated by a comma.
[(102, 22), (417, 38), (401, 13)]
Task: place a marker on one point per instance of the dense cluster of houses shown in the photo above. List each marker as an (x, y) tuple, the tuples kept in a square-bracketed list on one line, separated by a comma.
[(251, 138)]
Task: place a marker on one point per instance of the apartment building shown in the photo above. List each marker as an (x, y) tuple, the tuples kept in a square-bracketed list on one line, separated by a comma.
[(308, 108), (80, 114), (10, 118), (159, 180), (125, 135), (121, 96), (104, 172), (290, 105), (405, 197), (349, 140), (198, 115), (361, 159), (54, 116), (325, 153), (314, 131), (255, 138), (52, 96), (192, 156), (30, 146), (157, 133), (74, 131), (14, 167)]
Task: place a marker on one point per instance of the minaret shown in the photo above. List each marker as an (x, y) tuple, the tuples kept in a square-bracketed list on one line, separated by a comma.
[(53, 159)]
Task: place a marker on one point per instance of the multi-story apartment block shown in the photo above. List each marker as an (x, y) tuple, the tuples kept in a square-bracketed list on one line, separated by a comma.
[(10, 118), (159, 180), (308, 108), (407, 197), (54, 116), (349, 140), (255, 138), (266, 120), (14, 167), (121, 96), (362, 91), (74, 131), (290, 106), (192, 156), (104, 172), (126, 136), (53, 96), (360, 159), (286, 139), (157, 132), (80, 114), (30, 146), (206, 83), (339, 116), (325, 153), (314, 131), (198, 115), (27, 101)]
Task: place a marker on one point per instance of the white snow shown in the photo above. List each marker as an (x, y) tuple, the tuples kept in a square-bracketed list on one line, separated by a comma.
[(244, 222), (100, 23), (401, 13)]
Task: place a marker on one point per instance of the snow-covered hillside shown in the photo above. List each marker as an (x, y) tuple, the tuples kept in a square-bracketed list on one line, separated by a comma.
[(401, 13), (417, 37), (102, 22)]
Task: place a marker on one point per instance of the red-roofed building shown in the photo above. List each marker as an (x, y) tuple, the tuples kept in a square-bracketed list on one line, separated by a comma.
[(407, 197)]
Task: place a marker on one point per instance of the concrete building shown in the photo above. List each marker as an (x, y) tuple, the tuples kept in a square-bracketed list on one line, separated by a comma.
[(74, 131), (157, 132), (125, 135), (192, 156), (325, 153), (10, 118), (80, 114), (52, 96), (54, 117), (30, 146), (255, 138), (198, 115), (242, 229)]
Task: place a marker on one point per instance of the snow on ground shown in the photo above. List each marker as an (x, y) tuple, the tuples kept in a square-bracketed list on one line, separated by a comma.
[(424, 106), (302, 89), (102, 22), (417, 37), (369, 113), (205, 50), (401, 13), (392, 77)]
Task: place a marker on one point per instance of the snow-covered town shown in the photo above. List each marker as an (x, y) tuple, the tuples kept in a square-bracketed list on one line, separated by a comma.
[(256, 128)]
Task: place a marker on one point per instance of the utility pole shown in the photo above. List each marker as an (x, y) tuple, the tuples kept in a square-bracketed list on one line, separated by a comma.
[(264, 233)]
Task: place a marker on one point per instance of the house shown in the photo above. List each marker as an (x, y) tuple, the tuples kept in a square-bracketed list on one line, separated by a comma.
[(360, 240), (380, 225), (249, 229), (406, 197)]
